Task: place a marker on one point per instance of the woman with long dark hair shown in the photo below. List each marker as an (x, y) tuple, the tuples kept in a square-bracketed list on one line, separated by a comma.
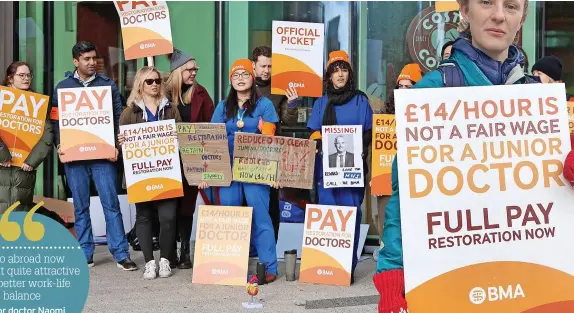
[(245, 110), (17, 183), (343, 104)]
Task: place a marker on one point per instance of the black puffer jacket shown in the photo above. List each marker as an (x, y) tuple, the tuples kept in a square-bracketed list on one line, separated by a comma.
[(17, 184)]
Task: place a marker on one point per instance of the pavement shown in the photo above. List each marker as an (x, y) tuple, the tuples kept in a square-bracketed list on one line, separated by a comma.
[(113, 290)]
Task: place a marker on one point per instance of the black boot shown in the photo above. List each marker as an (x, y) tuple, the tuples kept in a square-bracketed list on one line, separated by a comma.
[(184, 258)]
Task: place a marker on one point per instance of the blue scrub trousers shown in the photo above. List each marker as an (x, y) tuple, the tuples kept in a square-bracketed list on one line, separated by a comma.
[(262, 233), (349, 196)]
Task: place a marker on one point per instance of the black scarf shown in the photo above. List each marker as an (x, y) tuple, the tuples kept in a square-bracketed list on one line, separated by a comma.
[(262, 83), (337, 97)]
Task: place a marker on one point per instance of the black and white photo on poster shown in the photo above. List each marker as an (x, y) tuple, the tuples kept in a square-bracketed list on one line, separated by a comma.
[(342, 156)]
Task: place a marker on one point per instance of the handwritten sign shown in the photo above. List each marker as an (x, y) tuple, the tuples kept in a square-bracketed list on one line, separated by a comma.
[(86, 123), (384, 150), (151, 161), (205, 153), (327, 255), (270, 159), (342, 160), (146, 28), (22, 118), (222, 245), (485, 210)]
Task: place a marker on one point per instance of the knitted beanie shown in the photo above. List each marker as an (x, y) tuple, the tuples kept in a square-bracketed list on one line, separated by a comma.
[(178, 59), (551, 66), (391, 287)]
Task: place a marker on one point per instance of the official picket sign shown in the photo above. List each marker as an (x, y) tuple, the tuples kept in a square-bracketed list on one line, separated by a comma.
[(22, 120), (86, 123), (328, 239), (297, 58), (342, 160), (151, 161), (486, 213)]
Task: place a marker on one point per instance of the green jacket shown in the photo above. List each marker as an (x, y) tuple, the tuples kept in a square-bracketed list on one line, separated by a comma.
[(16, 184)]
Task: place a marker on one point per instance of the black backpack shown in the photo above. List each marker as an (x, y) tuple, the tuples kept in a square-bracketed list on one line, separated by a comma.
[(452, 75)]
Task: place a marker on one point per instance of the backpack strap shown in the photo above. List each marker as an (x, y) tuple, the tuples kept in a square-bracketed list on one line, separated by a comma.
[(452, 75)]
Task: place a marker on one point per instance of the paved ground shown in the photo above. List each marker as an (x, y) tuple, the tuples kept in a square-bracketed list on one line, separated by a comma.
[(112, 290)]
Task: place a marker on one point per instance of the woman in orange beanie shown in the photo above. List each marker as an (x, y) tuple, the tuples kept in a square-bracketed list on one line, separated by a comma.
[(245, 110), (342, 104), (408, 77)]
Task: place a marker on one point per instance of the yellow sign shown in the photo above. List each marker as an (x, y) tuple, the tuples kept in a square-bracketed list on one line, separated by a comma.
[(446, 6), (571, 116), (257, 171), (384, 151), (11, 231)]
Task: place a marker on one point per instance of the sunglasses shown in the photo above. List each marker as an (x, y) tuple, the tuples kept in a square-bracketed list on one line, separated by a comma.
[(150, 81)]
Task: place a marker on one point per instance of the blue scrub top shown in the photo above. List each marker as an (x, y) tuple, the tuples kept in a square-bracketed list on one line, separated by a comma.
[(263, 109), (356, 111), (150, 116)]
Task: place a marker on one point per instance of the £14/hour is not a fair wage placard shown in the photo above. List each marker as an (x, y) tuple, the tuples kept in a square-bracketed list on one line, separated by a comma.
[(42, 267)]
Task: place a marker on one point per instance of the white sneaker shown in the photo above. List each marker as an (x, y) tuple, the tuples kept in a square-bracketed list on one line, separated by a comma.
[(150, 270), (164, 268)]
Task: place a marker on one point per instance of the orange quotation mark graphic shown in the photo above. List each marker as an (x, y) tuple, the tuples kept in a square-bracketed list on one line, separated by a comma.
[(11, 231)]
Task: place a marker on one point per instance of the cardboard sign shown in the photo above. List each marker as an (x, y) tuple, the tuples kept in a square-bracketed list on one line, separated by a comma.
[(205, 153), (22, 118), (486, 213), (86, 123), (327, 256), (146, 28), (222, 245), (384, 150), (342, 160), (571, 116), (151, 161), (266, 160), (446, 6), (297, 58)]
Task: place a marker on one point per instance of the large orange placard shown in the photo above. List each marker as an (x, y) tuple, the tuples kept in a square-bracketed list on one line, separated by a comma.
[(151, 161), (22, 118), (146, 28), (384, 150), (222, 245), (328, 239), (297, 59)]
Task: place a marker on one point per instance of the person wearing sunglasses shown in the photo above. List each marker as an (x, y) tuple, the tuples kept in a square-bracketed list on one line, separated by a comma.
[(195, 106), (245, 110), (17, 183), (147, 103)]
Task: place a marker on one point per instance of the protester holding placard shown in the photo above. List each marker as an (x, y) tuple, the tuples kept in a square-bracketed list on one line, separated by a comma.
[(343, 104), (245, 110), (195, 106), (484, 55), (17, 182), (147, 103), (103, 172)]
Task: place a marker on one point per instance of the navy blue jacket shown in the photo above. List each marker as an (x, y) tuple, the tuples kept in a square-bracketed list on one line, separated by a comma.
[(99, 81)]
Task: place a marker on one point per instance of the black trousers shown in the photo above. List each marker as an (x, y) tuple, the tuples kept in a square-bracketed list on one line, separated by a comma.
[(145, 215), (274, 211)]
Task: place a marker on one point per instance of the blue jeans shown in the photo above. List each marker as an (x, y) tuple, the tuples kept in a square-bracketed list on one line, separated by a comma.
[(104, 175)]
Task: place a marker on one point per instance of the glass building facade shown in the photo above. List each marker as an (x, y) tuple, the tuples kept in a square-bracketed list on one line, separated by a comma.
[(381, 37)]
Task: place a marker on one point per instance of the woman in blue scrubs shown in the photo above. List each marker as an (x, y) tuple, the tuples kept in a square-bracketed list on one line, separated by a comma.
[(342, 104), (245, 110)]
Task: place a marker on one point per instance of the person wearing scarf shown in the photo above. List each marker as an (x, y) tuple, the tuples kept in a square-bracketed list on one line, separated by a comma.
[(342, 104)]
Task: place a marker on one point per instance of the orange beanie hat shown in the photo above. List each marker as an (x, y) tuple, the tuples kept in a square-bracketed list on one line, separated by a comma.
[(339, 55), (242, 64), (411, 71)]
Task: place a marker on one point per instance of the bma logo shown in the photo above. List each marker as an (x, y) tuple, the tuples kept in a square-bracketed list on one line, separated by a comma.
[(478, 295), (428, 32)]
